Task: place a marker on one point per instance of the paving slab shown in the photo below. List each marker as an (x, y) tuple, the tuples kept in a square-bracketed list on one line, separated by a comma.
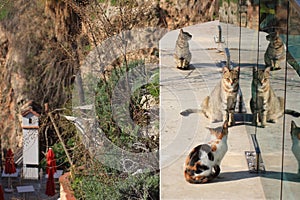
[(185, 89), (35, 189)]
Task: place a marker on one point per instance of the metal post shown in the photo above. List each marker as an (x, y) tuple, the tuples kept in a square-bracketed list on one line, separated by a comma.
[(220, 33), (227, 53), (259, 163), (219, 38)]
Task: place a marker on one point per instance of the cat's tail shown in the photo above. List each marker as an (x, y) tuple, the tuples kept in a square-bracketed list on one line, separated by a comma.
[(292, 112), (198, 179), (216, 172), (202, 179), (187, 112)]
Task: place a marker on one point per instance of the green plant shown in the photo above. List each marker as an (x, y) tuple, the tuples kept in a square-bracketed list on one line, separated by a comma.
[(121, 135), (99, 181), (3, 13), (142, 186), (4, 9)]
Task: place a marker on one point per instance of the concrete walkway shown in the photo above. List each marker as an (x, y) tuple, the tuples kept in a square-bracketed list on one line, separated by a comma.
[(181, 90)]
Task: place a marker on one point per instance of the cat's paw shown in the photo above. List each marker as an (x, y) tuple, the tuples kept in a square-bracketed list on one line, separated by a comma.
[(231, 123), (204, 180), (185, 67), (275, 68), (272, 121), (263, 125), (254, 123)]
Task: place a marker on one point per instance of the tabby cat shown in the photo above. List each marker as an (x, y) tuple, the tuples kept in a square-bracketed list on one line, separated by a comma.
[(295, 134), (182, 54), (203, 162), (264, 103), (221, 103), (275, 52)]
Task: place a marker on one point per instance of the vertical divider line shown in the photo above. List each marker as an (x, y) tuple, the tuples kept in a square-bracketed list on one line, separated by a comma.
[(257, 63), (285, 93), (227, 24), (240, 34)]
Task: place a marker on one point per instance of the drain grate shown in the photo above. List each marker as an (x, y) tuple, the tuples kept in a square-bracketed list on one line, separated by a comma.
[(255, 162), (254, 159)]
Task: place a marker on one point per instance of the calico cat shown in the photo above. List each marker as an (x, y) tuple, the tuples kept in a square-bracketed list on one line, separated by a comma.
[(221, 103), (275, 52), (182, 54), (295, 134), (264, 103), (203, 162)]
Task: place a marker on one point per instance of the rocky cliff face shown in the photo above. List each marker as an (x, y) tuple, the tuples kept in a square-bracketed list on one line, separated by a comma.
[(180, 13), (44, 42), (37, 60)]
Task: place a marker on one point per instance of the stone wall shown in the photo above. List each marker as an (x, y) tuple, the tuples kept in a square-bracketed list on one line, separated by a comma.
[(66, 192)]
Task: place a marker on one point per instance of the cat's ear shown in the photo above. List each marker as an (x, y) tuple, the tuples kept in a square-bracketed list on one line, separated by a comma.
[(225, 69), (225, 128), (267, 70), (225, 125), (293, 125), (237, 69), (212, 131)]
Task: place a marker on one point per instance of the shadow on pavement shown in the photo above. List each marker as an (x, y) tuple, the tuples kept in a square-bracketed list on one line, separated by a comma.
[(234, 176), (287, 176)]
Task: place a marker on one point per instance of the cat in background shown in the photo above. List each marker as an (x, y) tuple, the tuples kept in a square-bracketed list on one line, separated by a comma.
[(203, 162), (221, 103), (265, 105), (182, 54), (295, 134), (275, 52)]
